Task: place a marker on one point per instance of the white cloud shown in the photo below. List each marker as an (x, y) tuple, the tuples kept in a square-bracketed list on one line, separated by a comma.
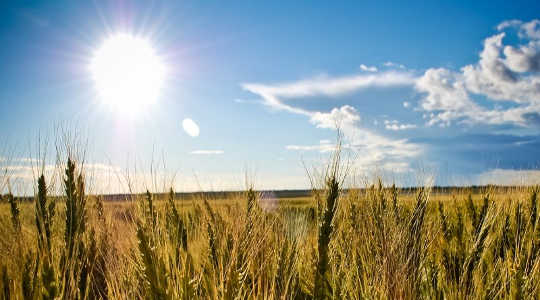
[(368, 69), (274, 95), (323, 148), (361, 139), (373, 149), (343, 117), (207, 152), (509, 177), (513, 78), (395, 126), (493, 77), (508, 23), (243, 101), (103, 178), (20, 159), (26, 160), (525, 58), (531, 29), (393, 65), (406, 104), (99, 177), (446, 95), (190, 127), (29, 172), (504, 74)]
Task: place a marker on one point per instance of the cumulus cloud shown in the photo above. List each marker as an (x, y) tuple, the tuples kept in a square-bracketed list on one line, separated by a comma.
[(504, 73), (531, 29), (190, 127), (373, 150), (502, 87), (524, 58), (446, 95), (525, 30), (344, 117), (207, 152), (363, 140), (493, 77)]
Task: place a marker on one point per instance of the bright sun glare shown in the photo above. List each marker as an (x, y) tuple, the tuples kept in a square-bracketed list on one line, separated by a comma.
[(127, 72)]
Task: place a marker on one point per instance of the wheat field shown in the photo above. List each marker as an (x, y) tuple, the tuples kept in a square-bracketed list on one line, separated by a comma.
[(373, 242)]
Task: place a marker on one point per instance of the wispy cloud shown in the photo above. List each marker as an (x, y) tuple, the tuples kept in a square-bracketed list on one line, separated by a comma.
[(395, 125), (324, 146), (207, 152), (275, 95), (250, 101), (324, 85), (376, 150), (22, 176), (368, 69), (19, 159), (509, 177), (508, 23), (393, 65)]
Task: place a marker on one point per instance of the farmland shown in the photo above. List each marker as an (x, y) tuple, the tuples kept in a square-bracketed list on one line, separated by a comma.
[(376, 241)]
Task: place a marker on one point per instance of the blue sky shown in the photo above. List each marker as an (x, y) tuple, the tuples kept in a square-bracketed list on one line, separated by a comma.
[(450, 88)]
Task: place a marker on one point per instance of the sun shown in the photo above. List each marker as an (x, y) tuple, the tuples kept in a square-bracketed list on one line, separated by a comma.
[(127, 72)]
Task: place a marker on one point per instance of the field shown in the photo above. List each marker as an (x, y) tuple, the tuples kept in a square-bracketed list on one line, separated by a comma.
[(375, 242)]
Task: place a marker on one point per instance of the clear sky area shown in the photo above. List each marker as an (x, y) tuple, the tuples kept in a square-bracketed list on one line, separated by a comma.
[(210, 91)]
